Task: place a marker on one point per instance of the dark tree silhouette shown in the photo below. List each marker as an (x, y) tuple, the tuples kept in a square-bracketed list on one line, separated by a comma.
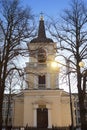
[(16, 27), (71, 34)]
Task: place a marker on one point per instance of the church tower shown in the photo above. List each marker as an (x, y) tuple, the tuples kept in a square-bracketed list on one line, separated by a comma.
[(43, 103), (42, 50)]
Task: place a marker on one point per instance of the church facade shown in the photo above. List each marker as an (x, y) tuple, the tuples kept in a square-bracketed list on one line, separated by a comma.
[(43, 104)]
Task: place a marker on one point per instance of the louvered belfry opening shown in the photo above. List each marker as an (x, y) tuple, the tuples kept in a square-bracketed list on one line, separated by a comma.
[(42, 81)]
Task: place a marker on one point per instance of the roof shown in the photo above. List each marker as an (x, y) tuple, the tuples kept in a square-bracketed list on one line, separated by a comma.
[(41, 34)]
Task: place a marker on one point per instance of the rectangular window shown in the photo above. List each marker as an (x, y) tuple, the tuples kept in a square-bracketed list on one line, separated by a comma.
[(41, 81)]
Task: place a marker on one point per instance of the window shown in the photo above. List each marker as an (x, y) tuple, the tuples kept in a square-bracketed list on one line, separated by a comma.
[(41, 81)]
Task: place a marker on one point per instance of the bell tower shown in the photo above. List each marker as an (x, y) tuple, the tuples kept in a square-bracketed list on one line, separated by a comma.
[(42, 52)]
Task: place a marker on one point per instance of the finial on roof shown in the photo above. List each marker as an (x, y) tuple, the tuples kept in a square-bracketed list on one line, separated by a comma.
[(41, 16)]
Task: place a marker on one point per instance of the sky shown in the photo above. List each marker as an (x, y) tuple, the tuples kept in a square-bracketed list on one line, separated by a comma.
[(48, 7)]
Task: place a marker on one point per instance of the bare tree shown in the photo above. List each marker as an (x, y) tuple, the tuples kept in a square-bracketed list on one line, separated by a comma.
[(16, 27), (72, 38), (14, 84)]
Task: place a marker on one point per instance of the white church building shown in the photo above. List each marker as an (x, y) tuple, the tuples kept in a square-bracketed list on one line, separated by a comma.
[(43, 104)]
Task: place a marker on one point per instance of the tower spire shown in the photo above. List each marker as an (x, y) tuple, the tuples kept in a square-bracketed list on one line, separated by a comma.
[(41, 30)]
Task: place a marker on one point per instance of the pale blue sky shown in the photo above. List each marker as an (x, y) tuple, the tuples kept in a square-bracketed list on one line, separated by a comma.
[(48, 7)]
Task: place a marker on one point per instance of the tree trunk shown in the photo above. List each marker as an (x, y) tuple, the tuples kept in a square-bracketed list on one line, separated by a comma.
[(1, 104), (8, 109), (81, 96), (82, 111)]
